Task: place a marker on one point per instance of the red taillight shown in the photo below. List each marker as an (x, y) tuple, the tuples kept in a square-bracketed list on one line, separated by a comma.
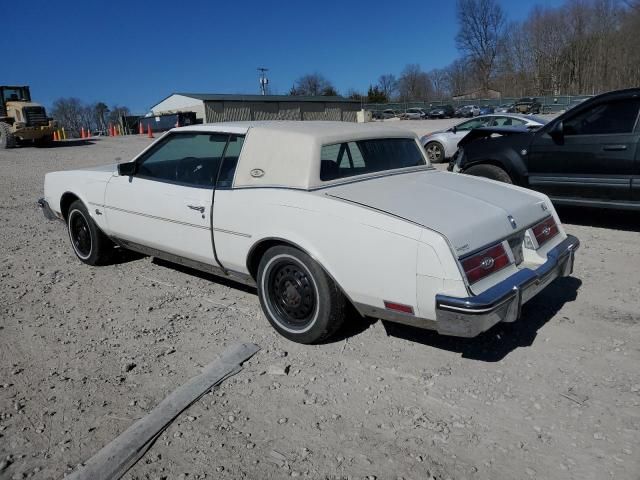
[(485, 263), (545, 231)]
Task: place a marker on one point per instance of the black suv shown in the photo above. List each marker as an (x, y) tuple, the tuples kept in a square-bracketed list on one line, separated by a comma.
[(528, 105), (590, 155), (444, 111)]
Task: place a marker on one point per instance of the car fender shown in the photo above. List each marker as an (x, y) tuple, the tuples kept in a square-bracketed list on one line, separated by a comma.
[(509, 160)]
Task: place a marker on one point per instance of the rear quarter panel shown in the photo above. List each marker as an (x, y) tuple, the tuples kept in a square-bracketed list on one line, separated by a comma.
[(372, 256)]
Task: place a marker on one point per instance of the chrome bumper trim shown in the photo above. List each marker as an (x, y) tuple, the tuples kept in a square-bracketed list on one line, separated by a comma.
[(470, 316)]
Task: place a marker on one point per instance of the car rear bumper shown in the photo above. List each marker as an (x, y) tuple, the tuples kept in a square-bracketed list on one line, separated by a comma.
[(470, 316)]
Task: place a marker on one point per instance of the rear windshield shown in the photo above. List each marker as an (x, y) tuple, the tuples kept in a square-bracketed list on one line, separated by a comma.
[(347, 159)]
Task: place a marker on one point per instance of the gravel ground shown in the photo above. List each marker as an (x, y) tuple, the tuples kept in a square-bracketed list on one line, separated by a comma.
[(86, 351)]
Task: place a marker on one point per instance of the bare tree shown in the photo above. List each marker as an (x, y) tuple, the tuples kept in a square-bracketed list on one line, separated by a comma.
[(440, 82), (458, 77), (414, 84), (388, 84), (313, 84), (71, 114), (481, 25)]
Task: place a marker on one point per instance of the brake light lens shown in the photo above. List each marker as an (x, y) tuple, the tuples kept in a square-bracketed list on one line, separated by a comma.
[(545, 230), (486, 262)]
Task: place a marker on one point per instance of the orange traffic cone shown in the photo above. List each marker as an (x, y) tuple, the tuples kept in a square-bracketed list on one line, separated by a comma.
[(55, 136), (82, 132), (149, 132), (140, 129), (88, 133)]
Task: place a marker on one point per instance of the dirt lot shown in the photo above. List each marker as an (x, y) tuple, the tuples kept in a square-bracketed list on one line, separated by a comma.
[(86, 351)]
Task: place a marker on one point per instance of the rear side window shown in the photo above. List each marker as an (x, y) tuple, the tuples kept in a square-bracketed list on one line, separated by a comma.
[(347, 159), (508, 122), (606, 118)]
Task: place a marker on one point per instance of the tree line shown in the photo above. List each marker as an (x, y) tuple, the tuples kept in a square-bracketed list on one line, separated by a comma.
[(580, 47), (73, 114)]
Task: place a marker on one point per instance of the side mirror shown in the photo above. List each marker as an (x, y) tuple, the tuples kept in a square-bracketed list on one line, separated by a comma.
[(127, 169), (557, 131), (454, 129)]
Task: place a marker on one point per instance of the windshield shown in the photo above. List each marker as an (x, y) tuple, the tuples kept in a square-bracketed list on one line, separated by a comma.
[(15, 94), (347, 159)]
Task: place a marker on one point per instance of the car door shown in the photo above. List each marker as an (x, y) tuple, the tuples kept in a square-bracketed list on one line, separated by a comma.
[(166, 204), (592, 157)]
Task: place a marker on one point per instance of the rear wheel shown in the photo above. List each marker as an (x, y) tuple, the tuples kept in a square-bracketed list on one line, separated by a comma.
[(90, 245), (435, 152), (489, 171), (298, 298), (7, 139)]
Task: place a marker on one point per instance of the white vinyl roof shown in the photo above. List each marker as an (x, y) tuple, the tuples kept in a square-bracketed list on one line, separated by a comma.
[(288, 152)]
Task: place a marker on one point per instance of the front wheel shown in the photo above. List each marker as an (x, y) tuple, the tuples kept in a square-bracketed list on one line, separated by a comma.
[(489, 171), (435, 152), (298, 298), (90, 245)]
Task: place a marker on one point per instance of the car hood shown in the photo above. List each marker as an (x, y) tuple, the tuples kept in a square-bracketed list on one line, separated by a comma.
[(470, 212), (485, 132), (111, 168), (431, 134)]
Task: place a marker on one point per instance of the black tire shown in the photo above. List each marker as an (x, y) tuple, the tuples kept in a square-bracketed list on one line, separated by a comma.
[(298, 298), (89, 244), (435, 152), (7, 139), (489, 171)]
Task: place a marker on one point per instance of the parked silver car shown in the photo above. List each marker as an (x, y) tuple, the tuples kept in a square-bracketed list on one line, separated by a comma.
[(413, 114), (442, 145)]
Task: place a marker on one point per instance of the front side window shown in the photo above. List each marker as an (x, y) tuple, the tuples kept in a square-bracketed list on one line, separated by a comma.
[(606, 118), (368, 156), (191, 159)]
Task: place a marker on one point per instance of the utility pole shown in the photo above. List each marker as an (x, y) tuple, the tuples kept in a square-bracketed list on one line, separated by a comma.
[(263, 80)]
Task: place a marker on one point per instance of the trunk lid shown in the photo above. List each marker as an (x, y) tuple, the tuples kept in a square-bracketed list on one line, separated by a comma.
[(470, 212)]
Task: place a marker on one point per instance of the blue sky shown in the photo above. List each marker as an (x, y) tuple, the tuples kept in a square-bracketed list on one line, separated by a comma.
[(136, 52)]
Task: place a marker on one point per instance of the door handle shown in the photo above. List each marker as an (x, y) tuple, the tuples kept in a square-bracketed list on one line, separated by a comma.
[(196, 207), (614, 148)]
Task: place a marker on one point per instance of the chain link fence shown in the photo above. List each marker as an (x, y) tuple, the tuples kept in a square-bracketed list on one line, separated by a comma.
[(550, 104)]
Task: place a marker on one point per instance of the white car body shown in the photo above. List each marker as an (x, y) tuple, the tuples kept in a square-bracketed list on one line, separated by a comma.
[(394, 236), (448, 139)]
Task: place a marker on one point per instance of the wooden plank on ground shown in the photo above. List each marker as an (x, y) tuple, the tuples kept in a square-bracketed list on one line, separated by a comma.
[(123, 452)]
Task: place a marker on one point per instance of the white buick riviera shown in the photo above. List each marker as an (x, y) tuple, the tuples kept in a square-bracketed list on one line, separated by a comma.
[(320, 215)]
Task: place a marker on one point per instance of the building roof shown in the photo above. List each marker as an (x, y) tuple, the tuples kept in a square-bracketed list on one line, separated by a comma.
[(213, 97), (288, 152)]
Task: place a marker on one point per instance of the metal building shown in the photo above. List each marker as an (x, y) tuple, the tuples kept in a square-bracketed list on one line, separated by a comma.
[(226, 107)]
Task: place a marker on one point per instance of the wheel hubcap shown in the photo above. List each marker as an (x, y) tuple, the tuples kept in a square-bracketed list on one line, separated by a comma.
[(80, 234), (292, 294), (434, 152)]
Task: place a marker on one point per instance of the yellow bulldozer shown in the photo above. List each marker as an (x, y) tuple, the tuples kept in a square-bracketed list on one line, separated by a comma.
[(22, 120)]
